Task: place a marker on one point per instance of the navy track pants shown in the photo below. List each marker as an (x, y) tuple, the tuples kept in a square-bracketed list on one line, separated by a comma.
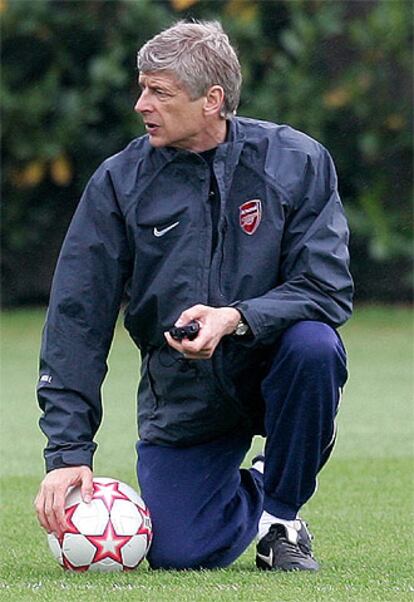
[(205, 509)]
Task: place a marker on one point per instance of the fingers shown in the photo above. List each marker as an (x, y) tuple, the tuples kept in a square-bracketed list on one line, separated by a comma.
[(197, 312), (188, 348), (50, 500), (50, 509), (87, 487), (215, 322), (56, 516), (202, 347), (40, 506)]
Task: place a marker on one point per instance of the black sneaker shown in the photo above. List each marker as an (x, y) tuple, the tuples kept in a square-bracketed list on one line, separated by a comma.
[(286, 548)]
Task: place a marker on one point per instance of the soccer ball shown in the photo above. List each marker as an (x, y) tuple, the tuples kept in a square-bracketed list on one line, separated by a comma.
[(111, 533)]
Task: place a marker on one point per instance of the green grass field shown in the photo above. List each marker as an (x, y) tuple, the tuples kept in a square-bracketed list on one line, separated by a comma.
[(361, 517)]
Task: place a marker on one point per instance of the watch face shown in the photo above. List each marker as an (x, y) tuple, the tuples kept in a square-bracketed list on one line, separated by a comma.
[(241, 329)]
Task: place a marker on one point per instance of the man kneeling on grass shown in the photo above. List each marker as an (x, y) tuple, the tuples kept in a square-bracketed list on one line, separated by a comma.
[(235, 226)]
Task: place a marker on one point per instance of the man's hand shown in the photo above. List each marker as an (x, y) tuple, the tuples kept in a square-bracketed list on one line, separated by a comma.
[(215, 322), (50, 499)]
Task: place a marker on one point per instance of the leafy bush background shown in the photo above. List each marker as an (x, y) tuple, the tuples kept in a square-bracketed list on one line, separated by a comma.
[(339, 70)]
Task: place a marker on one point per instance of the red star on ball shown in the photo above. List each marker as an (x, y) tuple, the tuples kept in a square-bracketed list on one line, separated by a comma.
[(108, 493), (70, 526), (109, 544)]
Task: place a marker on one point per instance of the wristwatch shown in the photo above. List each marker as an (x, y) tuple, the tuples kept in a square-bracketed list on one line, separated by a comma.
[(241, 329)]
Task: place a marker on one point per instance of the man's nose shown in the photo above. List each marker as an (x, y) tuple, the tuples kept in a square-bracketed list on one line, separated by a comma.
[(142, 103)]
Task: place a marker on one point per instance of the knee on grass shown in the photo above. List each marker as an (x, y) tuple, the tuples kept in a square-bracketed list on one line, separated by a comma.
[(174, 559)]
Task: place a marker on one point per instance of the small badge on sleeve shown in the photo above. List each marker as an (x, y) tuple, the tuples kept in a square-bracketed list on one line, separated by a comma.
[(250, 215), (45, 378)]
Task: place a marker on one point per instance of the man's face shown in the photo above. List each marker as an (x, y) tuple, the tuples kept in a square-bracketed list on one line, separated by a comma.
[(171, 118)]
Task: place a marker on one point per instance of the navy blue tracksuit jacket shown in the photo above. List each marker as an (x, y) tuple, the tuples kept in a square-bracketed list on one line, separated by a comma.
[(143, 229)]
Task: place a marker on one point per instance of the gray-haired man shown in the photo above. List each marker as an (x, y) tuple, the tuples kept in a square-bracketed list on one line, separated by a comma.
[(235, 225)]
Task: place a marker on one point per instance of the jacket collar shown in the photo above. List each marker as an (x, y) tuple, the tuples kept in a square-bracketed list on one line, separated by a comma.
[(235, 137)]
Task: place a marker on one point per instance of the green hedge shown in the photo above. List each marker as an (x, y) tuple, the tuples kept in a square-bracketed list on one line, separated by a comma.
[(341, 71)]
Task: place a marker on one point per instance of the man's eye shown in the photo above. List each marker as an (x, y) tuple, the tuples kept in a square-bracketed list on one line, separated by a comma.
[(160, 92)]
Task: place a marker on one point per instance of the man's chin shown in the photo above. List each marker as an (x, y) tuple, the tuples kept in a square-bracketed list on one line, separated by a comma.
[(156, 142)]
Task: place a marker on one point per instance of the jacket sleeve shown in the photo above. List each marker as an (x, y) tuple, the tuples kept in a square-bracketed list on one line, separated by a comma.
[(90, 277), (315, 282)]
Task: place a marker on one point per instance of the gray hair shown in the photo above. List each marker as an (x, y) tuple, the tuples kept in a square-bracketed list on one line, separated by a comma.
[(200, 55)]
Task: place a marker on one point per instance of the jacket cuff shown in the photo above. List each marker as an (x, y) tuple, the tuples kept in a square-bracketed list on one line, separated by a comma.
[(250, 339), (65, 458)]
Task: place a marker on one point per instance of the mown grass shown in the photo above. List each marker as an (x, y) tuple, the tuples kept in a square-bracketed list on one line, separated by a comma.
[(361, 517)]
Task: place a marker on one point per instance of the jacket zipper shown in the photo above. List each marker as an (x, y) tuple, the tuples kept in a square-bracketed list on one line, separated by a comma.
[(151, 351), (217, 264)]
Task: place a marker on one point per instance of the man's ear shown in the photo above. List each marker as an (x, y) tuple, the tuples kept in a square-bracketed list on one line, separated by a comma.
[(214, 101)]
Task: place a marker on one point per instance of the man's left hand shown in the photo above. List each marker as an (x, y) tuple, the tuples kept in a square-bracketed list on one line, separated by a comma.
[(215, 322)]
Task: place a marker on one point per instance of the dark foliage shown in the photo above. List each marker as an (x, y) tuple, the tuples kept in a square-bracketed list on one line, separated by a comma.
[(341, 71)]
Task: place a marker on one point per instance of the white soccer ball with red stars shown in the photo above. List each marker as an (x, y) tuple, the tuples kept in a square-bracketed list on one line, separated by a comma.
[(111, 533)]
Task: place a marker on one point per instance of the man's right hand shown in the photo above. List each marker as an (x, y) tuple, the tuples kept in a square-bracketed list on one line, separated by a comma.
[(50, 500)]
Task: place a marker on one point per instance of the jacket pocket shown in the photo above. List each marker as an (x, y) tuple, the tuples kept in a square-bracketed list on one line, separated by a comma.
[(171, 377), (148, 399), (182, 403)]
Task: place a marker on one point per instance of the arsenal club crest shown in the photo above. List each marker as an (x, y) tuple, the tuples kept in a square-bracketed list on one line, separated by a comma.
[(250, 215)]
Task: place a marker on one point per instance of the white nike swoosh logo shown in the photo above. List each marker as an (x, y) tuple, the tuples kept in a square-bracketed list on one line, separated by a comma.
[(163, 231), (267, 559)]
